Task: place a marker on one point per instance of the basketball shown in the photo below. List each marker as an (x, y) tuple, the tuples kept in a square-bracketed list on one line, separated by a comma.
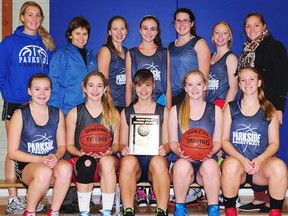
[(95, 138), (196, 143)]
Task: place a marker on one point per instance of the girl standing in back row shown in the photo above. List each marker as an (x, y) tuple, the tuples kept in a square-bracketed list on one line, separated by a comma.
[(111, 60), (188, 52), (222, 83), (150, 55)]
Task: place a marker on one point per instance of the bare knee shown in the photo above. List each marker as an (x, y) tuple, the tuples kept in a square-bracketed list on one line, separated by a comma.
[(278, 169), (158, 164), (182, 168), (107, 165), (63, 170), (128, 164), (43, 175), (210, 168), (231, 167)]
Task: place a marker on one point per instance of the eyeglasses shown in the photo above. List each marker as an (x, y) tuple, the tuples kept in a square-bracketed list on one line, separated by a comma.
[(185, 21)]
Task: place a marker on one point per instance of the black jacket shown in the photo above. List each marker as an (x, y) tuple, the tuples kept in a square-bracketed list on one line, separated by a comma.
[(272, 63)]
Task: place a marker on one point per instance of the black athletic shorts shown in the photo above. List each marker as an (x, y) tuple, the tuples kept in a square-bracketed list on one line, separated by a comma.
[(249, 179), (8, 110), (19, 167)]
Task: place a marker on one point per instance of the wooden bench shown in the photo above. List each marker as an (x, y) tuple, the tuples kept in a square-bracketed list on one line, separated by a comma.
[(5, 185)]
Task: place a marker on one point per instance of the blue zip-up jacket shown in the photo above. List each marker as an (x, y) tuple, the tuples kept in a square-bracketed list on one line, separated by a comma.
[(67, 70), (21, 56)]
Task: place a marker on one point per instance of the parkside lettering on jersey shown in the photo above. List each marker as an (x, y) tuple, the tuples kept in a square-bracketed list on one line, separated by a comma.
[(213, 84), (121, 78), (245, 138), (40, 147)]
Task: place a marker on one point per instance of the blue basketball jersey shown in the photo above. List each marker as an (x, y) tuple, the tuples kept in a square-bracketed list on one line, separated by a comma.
[(156, 63), (248, 134), (182, 60), (117, 78), (36, 139), (206, 122), (218, 83)]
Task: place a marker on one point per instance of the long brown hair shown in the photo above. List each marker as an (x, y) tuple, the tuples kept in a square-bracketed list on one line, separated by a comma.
[(109, 42), (46, 37), (266, 105), (184, 112), (110, 114)]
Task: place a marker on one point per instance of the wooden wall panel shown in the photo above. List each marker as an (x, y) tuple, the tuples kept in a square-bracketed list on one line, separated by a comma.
[(6, 18)]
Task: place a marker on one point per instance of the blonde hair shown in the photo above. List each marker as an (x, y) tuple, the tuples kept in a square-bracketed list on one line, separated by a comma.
[(46, 37), (184, 112), (110, 113), (266, 105), (229, 44)]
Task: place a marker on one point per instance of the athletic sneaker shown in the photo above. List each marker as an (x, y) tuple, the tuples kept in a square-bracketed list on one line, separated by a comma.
[(180, 210), (128, 212), (141, 197), (252, 207), (231, 212), (160, 212), (52, 213), (221, 202), (213, 210), (84, 213), (264, 209), (275, 212), (193, 197), (152, 198), (26, 213), (200, 194), (40, 207), (15, 206), (105, 212)]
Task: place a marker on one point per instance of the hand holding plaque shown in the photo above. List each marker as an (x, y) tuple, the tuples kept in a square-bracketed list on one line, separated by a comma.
[(144, 134)]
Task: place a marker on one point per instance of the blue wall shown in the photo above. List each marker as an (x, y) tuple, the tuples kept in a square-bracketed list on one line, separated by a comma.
[(207, 14)]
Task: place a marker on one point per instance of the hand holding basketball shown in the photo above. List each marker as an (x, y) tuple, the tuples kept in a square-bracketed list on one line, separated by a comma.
[(196, 143), (95, 138)]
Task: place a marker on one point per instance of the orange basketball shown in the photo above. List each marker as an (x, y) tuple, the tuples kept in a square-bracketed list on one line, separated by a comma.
[(95, 138), (196, 143)]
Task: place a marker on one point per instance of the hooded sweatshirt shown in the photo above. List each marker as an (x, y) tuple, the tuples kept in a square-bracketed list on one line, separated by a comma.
[(21, 56)]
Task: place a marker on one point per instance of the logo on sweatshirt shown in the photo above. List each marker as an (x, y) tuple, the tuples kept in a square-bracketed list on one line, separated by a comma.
[(33, 56), (41, 145)]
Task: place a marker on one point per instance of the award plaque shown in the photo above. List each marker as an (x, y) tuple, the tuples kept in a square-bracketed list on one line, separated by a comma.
[(144, 134)]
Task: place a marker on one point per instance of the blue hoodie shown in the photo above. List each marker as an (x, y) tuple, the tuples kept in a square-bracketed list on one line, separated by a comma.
[(67, 70), (21, 56)]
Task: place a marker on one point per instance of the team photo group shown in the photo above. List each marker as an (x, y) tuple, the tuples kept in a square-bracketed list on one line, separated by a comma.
[(170, 116)]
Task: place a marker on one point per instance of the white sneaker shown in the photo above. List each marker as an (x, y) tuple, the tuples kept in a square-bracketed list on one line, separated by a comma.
[(192, 196), (15, 206), (40, 207)]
